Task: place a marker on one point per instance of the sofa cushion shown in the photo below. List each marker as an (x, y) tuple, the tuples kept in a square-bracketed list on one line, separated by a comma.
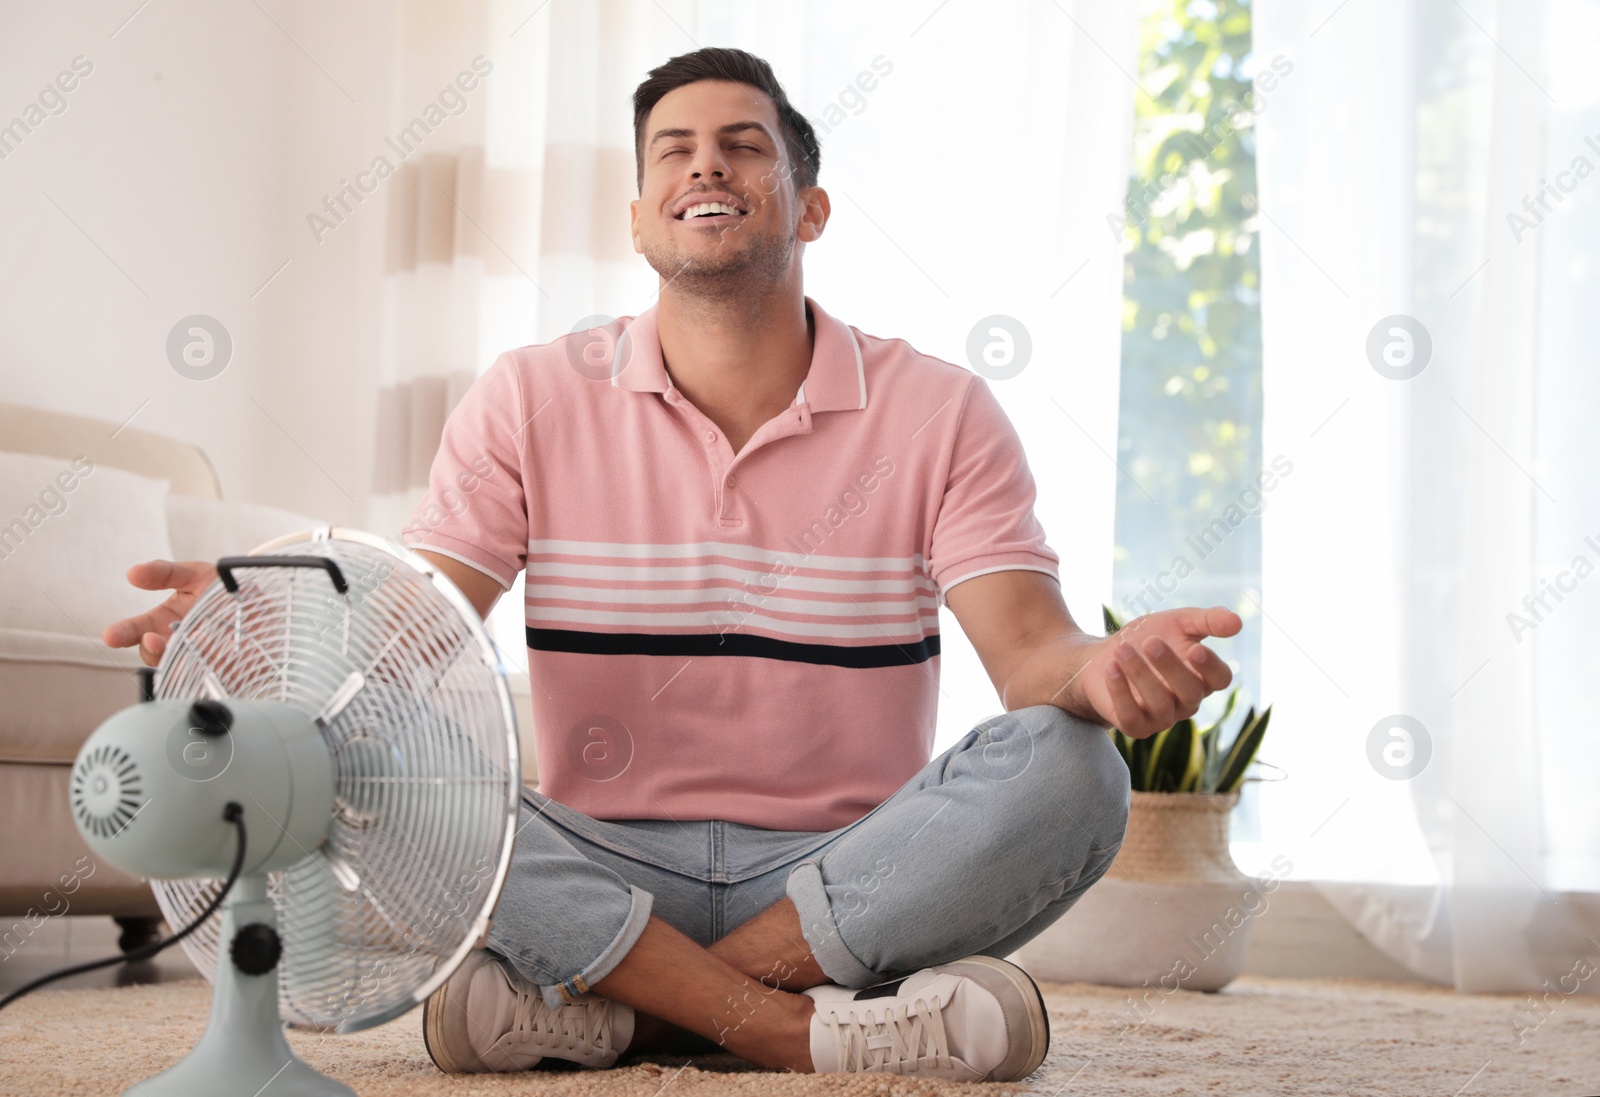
[(58, 688), (69, 531), (208, 529)]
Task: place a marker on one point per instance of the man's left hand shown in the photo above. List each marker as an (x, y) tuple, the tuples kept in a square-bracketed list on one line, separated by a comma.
[(1154, 671)]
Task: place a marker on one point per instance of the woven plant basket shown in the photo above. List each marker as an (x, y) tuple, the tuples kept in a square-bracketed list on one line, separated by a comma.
[(1178, 838), (1173, 911)]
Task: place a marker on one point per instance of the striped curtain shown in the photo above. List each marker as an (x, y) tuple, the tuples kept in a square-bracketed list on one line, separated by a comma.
[(460, 235), (508, 225)]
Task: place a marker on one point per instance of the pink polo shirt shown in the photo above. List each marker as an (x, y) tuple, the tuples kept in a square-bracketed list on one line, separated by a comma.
[(751, 637)]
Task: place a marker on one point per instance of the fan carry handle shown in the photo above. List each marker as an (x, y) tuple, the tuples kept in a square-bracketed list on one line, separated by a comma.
[(226, 565)]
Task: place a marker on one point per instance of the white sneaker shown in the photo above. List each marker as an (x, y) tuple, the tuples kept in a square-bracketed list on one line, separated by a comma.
[(486, 1018), (975, 1020)]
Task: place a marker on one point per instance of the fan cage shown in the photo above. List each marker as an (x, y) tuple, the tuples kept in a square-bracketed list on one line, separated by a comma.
[(426, 769)]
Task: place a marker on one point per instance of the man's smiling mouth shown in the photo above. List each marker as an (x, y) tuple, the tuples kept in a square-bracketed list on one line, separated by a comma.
[(710, 211)]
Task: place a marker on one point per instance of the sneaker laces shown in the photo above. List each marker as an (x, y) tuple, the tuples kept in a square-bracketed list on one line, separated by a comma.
[(582, 1026), (891, 1039)]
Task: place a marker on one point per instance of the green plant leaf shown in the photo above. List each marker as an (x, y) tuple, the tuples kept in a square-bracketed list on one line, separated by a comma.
[(1174, 758), (1109, 619), (1243, 752), (1210, 765), (1220, 756), (1210, 737), (1227, 711), (1211, 762), (1194, 772), (1142, 759)]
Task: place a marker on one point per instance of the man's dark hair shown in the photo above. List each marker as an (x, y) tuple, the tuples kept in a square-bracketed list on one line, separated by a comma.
[(717, 63)]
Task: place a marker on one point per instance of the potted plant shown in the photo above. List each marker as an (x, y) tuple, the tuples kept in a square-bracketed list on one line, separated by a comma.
[(1173, 911)]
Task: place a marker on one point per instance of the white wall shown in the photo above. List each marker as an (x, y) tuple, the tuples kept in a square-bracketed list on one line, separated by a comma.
[(189, 158)]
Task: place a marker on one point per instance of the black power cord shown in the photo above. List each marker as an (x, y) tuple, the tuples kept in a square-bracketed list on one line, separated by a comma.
[(234, 814)]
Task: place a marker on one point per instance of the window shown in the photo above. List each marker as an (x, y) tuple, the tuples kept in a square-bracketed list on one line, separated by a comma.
[(1190, 403)]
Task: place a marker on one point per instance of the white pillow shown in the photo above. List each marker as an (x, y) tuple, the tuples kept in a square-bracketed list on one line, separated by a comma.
[(209, 529), (69, 531)]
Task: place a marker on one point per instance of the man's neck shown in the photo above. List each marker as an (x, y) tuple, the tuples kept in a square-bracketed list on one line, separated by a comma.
[(740, 360)]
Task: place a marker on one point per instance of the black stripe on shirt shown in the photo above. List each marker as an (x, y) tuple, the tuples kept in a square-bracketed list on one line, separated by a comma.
[(706, 644)]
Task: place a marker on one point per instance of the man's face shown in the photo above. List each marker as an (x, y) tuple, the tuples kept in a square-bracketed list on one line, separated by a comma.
[(715, 141)]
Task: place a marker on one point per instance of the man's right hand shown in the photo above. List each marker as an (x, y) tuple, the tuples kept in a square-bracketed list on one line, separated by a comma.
[(187, 580)]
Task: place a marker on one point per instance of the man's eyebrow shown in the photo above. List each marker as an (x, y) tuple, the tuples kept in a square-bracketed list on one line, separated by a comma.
[(731, 127)]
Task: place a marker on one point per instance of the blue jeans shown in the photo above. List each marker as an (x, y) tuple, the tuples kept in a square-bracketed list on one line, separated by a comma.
[(985, 847)]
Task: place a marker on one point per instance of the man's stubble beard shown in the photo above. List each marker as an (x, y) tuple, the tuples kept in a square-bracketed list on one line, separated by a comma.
[(724, 272)]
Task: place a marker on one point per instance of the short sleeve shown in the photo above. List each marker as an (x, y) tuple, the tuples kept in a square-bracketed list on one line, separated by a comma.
[(986, 521), (476, 508)]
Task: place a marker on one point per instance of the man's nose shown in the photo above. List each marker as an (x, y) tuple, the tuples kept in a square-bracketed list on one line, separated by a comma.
[(710, 162)]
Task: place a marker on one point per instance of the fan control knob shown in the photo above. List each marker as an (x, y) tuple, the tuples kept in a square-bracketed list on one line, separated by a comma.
[(256, 949), (210, 718)]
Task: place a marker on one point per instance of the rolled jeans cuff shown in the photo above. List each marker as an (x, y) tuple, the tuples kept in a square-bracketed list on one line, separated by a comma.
[(810, 897), (568, 991)]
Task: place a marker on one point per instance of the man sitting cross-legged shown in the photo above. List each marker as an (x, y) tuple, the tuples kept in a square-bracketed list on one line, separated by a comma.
[(738, 517)]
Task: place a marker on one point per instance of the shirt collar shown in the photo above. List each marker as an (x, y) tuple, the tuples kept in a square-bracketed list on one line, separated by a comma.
[(836, 381)]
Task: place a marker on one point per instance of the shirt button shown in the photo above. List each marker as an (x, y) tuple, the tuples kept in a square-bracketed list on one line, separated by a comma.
[(728, 480), (711, 436)]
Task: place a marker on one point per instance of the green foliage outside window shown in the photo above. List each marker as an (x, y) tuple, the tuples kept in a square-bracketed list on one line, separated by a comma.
[(1189, 429)]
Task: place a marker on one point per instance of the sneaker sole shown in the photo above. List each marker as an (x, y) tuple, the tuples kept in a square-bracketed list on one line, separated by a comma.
[(445, 1027), (1028, 1051)]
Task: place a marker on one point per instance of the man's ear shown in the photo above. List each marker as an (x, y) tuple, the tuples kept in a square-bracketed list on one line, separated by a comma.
[(633, 226), (814, 213)]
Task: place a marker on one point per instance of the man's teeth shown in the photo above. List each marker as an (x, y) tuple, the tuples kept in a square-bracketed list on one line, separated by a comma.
[(707, 207)]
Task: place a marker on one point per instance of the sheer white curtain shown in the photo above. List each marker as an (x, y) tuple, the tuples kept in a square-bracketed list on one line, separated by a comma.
[(453, 285), (1428, 239), (971, 171)]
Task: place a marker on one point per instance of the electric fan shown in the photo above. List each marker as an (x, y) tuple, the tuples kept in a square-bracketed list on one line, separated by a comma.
[(331, 729)]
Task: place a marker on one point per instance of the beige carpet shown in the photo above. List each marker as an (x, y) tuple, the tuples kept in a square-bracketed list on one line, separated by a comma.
[(1260, 1036)]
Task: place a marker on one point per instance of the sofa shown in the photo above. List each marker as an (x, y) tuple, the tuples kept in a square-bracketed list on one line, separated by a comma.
[(80, 501)]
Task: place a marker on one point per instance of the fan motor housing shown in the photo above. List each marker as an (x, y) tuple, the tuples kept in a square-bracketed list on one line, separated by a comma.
[(150, 785)]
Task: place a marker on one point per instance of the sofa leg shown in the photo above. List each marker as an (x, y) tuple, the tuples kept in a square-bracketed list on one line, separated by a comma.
[(137, 931)]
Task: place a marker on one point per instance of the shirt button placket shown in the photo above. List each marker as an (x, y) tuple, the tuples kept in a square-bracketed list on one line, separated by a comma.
[(722, 482), (724, 518)]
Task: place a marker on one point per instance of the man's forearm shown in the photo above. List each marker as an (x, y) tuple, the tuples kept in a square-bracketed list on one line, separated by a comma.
[(1051, 674)]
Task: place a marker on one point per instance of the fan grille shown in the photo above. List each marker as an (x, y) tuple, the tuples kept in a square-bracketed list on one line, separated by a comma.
[(426, 770)]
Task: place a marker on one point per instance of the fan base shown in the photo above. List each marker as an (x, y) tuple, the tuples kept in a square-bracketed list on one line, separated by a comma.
[(213, 1074), (243, 1051)]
